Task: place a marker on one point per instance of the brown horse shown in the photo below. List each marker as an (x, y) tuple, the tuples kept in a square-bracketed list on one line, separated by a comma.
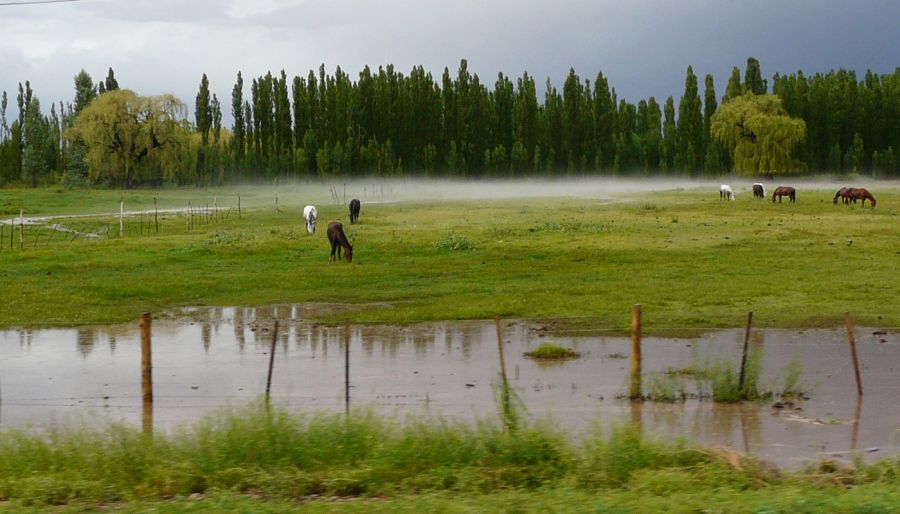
[(759, 190), (788, 191), (844, 194), (338, 239), (861, 193)]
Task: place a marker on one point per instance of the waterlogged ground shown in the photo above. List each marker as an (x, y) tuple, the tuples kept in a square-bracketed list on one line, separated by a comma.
[(208, 358)]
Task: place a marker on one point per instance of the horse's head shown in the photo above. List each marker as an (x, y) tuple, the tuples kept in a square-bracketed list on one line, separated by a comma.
[(873, 200), (348, 253)]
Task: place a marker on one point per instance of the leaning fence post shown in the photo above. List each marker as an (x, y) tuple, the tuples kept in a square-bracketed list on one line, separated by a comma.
[(347, 367), (156, 214), (504, 392), (121, 218), (852, 341), (239, 206), (21, 228), (146, 373), (744, 353), (636, 352), (271, 360)]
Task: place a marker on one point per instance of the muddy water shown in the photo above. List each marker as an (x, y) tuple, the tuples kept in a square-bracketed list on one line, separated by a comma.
[(219, 357)]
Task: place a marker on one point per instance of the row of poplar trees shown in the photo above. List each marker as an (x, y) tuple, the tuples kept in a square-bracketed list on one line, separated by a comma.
[(386, 123)]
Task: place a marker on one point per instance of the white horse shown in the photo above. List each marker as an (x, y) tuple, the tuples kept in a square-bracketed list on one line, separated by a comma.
[(310, 215), (725, 192)]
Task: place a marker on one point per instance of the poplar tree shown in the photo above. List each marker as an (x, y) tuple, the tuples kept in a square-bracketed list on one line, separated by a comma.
[(690, 126), (85, 91), (753, 81), (111, 83), (238, 139), (36, 141), (525, 125), (604, 124), (669, 135), (202, 111), (734, 88), (711, 155)]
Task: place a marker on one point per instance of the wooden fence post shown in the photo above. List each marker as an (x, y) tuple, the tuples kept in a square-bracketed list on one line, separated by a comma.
[(121, 218), (239, 206), (744, 353), (21, 228), (636, 352), (156, 214), (505, 404), (347, 367), (146, 373), (271, 360), (852, 341)]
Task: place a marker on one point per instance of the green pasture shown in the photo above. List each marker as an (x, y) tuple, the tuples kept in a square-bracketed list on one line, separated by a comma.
[(691, 260)]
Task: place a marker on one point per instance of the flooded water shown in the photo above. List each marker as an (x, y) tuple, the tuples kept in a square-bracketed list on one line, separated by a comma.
[(219, 357)]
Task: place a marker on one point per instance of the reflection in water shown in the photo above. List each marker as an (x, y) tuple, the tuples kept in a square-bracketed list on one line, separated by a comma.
[(84, 341), (206, 336), (443, 368)]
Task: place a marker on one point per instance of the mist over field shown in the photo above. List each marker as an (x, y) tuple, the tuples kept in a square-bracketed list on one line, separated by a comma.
[(607, 189)]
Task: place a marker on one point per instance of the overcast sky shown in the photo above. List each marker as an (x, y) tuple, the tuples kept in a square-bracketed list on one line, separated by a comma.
[(642, 46)]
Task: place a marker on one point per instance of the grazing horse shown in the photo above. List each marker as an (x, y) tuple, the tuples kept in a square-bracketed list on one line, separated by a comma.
[(338, 239), (354, 210), (844, 194), (861, 193), (788, 191), (759, 190), (725, 192), (310, 215)]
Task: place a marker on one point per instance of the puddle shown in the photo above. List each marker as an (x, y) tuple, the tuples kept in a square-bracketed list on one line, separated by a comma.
[(212, 357)]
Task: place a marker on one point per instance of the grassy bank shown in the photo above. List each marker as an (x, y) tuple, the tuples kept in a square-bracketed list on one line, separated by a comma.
[(690, 259), (253, 459)]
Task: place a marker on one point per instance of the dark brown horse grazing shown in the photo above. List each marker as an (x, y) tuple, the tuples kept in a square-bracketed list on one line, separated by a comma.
[(861, 193), (759, 191), (354, 210), (788, 191), (338, 239), (844, 194)]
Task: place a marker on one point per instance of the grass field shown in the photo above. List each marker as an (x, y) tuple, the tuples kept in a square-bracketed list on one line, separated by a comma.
[(691, 260)]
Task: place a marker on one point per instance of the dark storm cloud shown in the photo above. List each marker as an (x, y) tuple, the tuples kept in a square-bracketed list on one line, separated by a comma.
[(643, 47)]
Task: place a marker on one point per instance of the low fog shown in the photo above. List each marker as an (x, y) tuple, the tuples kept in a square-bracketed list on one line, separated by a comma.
[(607, 189)]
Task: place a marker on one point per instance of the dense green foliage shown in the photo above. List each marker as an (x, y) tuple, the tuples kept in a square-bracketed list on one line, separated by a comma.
[(273, 454), (758, 133), (387, 123), (691, 260)]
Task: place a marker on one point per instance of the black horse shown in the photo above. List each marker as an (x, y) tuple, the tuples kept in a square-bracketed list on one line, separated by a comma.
[(354, 210), (338, 239)]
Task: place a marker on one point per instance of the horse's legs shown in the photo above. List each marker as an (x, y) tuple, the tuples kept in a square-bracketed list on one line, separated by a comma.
[(333, 246)]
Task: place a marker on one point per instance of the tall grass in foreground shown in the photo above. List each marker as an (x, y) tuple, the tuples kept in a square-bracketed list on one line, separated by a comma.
[(277, 454)]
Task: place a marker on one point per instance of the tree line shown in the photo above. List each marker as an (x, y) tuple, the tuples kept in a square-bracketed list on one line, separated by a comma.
[(389, 124)]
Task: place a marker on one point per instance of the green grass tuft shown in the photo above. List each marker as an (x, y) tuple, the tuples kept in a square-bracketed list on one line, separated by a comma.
[(551, 351)]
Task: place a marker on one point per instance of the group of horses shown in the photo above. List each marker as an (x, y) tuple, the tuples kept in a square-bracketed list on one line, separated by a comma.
[(850, 195), (335, 231), (847, 195)]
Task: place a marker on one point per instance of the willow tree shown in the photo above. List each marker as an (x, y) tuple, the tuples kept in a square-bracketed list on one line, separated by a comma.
[(130, 137), (758, 133)]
